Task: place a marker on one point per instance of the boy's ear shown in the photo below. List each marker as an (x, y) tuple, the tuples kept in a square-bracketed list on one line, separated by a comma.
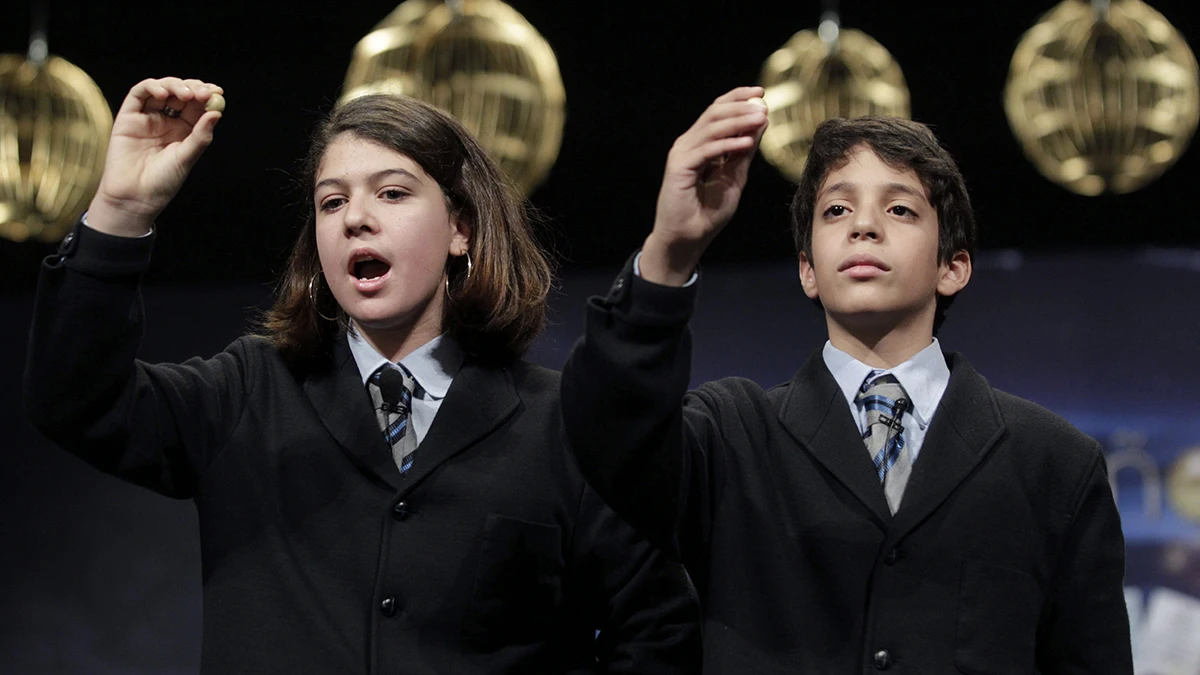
[(954, 275), (808, 277)]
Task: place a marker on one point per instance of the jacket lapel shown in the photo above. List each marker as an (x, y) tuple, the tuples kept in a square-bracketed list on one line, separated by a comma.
[(964, 429), (341, 401), (479, 400), (816, 414)]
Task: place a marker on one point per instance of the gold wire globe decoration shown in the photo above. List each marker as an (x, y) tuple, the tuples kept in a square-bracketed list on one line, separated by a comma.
[(54, 127), (820, 75), (1103, 96), (1183, 484), (482, 62)]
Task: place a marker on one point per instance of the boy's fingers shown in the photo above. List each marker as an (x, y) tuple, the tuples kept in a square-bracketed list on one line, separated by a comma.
[(728, 109), (715, 150), (747, 126), (740, 94)]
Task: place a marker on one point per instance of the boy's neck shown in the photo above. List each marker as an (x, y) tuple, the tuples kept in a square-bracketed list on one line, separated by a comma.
[(883, 345)]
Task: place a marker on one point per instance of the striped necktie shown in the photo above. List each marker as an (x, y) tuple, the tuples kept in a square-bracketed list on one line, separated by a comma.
[(391, 390), (884, 401)]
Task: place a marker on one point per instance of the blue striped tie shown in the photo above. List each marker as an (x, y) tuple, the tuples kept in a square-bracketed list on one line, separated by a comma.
[(391, 390), (884, 401)]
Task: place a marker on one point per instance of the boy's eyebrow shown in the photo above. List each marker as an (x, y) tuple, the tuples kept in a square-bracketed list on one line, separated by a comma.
[(890, 188), (907, 189), (838, 187), (370, 179)]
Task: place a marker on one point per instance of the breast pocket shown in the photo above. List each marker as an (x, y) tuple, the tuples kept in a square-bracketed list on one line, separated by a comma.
[(998, 610), (519, 582)]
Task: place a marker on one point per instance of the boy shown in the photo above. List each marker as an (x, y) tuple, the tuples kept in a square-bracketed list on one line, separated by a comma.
[(886, 509)]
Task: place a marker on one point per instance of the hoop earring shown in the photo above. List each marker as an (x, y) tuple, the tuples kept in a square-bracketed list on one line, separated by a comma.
[(468, 254), (312, 296)]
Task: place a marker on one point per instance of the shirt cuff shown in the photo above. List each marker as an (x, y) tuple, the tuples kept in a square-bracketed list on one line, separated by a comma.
[(637, 270), (103, 255), (637, 301), (83, 219)]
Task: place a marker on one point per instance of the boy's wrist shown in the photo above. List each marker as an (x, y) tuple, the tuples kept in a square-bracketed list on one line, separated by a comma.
[(668, 264)]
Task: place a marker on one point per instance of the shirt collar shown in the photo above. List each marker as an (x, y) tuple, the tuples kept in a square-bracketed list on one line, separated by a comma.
[(432, 365), (924, 376)]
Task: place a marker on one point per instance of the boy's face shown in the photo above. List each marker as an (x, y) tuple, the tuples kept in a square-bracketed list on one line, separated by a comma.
[(875, 247)]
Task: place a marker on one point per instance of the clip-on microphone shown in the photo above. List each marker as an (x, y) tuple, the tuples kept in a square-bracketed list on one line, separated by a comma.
[(390, 382)]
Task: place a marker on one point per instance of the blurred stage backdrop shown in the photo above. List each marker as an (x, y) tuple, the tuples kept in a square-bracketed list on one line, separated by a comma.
[(1071, 121)]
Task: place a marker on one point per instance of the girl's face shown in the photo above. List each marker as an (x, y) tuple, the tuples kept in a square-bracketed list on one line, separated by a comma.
[(384, 233)]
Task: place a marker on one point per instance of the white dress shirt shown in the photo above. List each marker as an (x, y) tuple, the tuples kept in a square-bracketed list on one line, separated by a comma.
[(924, 377), (432, 366)]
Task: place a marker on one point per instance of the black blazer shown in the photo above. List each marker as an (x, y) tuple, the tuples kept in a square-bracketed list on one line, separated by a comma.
[(489, 556), (1005, 557)]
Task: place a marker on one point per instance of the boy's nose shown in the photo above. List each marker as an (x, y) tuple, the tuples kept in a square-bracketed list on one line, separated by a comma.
[(865, 227)]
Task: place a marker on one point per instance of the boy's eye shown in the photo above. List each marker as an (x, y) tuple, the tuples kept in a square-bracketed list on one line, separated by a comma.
[(835, 210), (902, 210)]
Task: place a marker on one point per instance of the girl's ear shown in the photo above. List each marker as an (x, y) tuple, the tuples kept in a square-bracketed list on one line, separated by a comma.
[(460, 239)]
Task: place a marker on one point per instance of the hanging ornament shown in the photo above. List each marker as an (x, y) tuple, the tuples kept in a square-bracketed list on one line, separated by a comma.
[(1103, 96), (822, 74), (481, 61), (54, 127)]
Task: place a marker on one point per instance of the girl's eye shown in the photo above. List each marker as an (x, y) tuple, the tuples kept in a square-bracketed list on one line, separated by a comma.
[(331, 204), (835, 210), (394, 194)]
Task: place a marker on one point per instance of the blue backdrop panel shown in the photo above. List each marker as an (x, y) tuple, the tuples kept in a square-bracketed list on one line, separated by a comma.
[(101, 577)]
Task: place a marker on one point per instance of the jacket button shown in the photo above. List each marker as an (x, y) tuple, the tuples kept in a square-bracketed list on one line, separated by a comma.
[(891, 557), (401, 511), (883, 659), (388, 606)]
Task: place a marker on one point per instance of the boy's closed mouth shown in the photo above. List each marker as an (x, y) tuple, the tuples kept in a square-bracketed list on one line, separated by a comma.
[(863, 266)]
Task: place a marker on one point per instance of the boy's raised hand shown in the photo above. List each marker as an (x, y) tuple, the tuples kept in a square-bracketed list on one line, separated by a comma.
[(706, 171), (158, 135)]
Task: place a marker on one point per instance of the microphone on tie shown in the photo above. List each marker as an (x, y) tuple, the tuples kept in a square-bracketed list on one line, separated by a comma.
[(391, 390), (901, 406)]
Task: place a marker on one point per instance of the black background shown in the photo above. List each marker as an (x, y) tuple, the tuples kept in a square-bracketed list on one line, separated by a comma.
[(636, 75)]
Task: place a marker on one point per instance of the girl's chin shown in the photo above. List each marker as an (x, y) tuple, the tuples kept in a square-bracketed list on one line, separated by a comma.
[(381, 318)]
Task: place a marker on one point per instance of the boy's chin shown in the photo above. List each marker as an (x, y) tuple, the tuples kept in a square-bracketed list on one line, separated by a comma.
[(877, 317)]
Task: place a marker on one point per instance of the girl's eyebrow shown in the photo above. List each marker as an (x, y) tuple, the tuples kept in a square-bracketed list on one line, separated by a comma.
[(371, 179)]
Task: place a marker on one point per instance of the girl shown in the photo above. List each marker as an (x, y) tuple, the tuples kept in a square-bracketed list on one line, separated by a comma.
[(380, 481)]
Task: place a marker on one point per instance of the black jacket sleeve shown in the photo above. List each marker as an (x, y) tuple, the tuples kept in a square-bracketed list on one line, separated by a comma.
[(154, 425), (642, 602), (650, 456), (1085, 623)]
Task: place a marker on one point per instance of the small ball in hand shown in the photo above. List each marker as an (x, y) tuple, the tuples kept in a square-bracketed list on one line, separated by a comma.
[(215, 102)]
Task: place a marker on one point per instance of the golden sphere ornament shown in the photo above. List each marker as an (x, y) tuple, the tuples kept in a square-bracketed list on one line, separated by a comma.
[(1103, 96), (482, 62), (55, 123), (822, 74), (1183, 485)]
